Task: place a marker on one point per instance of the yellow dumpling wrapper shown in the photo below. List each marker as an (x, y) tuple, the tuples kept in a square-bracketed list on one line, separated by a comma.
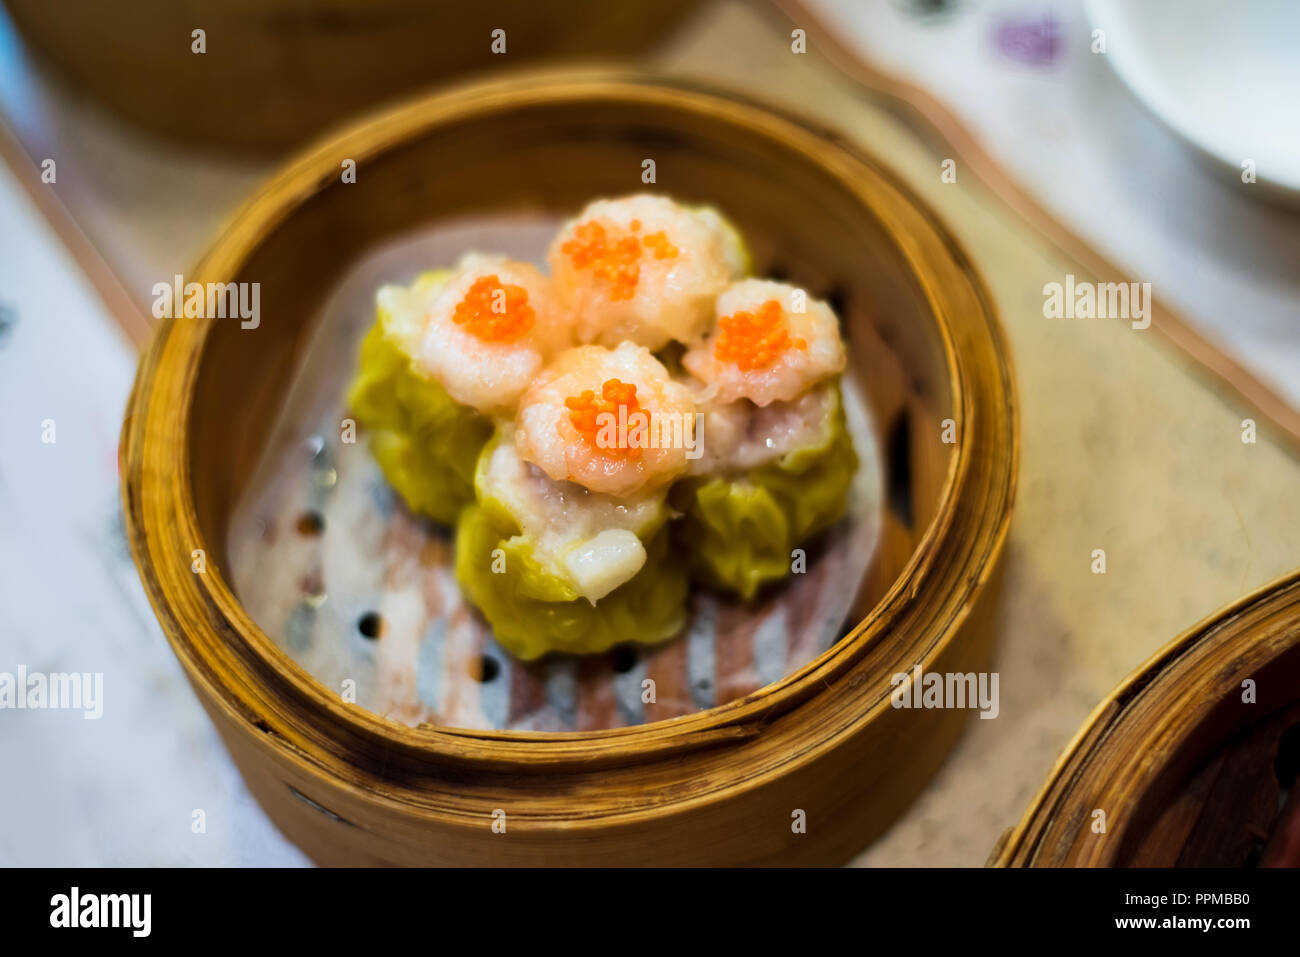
[(738, 532), (521, 580), (533, 611), (425, 442)]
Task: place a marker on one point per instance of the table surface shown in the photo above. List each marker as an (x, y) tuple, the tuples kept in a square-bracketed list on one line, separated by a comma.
[(124, 789), (1057, 119)]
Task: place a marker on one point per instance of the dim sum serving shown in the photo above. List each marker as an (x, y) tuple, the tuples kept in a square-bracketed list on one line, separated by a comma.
[(644, 418)]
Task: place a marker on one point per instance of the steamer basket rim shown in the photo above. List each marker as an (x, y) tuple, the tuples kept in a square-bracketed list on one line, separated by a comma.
[(739, 719), (1021, 844)]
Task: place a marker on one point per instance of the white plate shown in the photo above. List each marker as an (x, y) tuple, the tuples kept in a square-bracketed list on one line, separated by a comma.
[(1224, 76)]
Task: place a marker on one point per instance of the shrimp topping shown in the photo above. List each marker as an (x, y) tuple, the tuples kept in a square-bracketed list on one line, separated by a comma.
[(771, 343), (754, 340), (590, 415), (617, 261), (643, 268), (494, 312), (611, 420), (486, 330)]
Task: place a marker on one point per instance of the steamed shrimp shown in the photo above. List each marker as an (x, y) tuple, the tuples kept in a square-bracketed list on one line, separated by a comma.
[(770, 343), (488, 329), (611, 420), (643, 268)]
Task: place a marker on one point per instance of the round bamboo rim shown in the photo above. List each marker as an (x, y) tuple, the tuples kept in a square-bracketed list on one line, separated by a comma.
[(1143, 740), (783, 737)]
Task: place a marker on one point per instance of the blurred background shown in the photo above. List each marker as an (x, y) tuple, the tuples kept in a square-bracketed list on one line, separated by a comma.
[(1171, 152)]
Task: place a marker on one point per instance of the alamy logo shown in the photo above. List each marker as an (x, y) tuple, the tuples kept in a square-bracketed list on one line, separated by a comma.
[(933, 689), (60, 691), (1098, 300), (103, 910), (213, 300), (652, 430)]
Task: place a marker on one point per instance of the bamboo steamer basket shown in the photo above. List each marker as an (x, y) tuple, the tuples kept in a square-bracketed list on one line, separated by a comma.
[(720, 786), (1149, 754), (276, 72)]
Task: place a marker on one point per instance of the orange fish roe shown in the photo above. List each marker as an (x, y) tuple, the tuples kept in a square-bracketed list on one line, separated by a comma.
[(660, 243), (586, 409), (617, 261), (493, 312), (754, 340)]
